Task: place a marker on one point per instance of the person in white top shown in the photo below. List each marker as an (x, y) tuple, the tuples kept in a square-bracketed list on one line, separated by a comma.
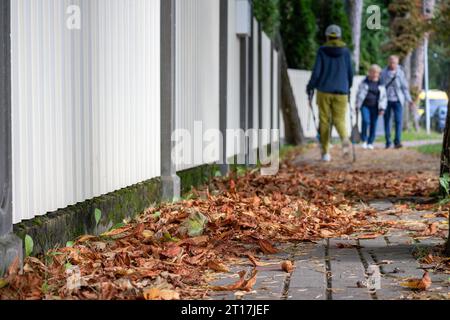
[(371, 100)]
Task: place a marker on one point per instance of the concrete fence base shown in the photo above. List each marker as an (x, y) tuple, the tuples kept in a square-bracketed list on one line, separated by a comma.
[(57, 228)]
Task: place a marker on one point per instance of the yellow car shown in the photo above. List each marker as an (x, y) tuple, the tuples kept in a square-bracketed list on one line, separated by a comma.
[(437, 98)]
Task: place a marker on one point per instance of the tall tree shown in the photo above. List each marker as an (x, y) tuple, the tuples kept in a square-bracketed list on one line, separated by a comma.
[(298, 30), (355, 8), (293, 126), (407, 31), (406, 26), (418, 55), (268, 14), (418, 58)]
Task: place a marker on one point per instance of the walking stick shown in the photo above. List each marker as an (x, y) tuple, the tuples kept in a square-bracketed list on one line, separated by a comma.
[(355, 129), (310, 100)]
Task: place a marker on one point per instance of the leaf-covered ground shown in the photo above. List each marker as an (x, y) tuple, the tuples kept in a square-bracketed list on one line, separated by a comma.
[(173, 251)]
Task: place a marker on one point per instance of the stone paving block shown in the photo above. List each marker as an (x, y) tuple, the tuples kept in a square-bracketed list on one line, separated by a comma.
[(347, 269), (396, 263), (269, 286), (381, 205), (308, 281), (389, 287)]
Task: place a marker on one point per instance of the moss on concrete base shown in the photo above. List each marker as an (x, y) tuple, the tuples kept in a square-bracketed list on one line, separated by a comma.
[(197, 176), (55, 229)]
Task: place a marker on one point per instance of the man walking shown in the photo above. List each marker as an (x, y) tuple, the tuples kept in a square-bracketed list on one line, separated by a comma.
[(397, 87), (333, 78)]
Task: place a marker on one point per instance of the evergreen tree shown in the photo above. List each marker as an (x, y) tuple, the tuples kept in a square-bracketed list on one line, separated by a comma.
[(439, 60), (298, 30), (372, 41), (329, 12), (268, 14)]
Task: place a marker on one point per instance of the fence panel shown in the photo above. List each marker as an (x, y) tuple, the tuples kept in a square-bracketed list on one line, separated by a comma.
[(266, 110), (233, 108), (197, 63), (86, 97), (275, 96), (256, 80), (85, 100)]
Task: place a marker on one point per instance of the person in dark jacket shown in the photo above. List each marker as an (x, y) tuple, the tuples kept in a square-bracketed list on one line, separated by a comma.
[(332, 76)]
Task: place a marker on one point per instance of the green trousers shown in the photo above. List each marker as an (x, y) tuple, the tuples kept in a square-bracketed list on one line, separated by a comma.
[(332, 111)]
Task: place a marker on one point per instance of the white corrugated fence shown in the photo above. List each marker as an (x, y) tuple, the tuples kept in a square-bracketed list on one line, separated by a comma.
[(86, 93)]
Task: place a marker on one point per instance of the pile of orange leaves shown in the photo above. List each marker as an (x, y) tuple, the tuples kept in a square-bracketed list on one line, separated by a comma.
[(153, 258)]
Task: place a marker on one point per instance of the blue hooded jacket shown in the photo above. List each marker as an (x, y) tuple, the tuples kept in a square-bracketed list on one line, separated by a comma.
[(333, 70)]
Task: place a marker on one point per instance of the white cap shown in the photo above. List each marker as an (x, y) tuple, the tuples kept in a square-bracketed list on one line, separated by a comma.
[(334, 31)]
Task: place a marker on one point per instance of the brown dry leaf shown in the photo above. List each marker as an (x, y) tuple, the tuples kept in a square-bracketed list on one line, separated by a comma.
[(196, 241), (86, 238), (232, 186), (256, 201), (442, 215), (418, 284), (369, 236), (429, 259), (117, 232), (431, 229), (267, 247), (217, 266), (14, 268), (107, 291), (287, 266), (160, 294), (257, 263), (172, 251), (325, 233), (241, 284), (253, 260), (235, 286), (341, 245)]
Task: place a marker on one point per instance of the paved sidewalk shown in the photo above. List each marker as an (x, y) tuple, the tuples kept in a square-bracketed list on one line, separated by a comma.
[(411, 144), (336, 269)]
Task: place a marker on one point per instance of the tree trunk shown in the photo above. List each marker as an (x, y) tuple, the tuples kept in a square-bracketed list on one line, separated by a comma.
[(417, 77), (415, 69), (406, 63), (445, 160), (418, 67), (293, 127), (356, 12)]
